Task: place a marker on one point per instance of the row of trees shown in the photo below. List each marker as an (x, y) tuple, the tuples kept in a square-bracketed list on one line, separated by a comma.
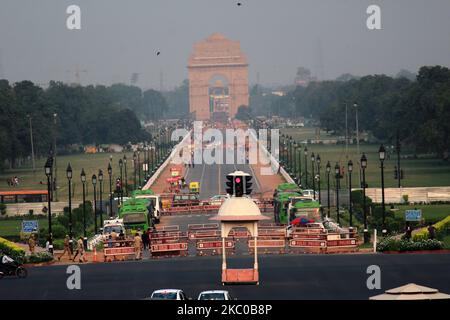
[(419, 110), (74, 114)]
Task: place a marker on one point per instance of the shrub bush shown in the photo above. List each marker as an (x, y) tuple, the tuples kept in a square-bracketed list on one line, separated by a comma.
[(39, 257), (391, 244), (440, 227), (11, 249)]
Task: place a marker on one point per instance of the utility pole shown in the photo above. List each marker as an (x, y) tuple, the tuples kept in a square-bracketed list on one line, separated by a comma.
[(346, 130), (32, 145), (357, 141), (55, 184), (399, 177)]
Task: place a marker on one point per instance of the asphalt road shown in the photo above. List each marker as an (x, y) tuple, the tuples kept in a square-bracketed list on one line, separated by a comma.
[(281, 277), (212, 177)]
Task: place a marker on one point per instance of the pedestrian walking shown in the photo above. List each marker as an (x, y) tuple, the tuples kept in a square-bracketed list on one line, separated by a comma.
[(431, 231), (31, 243), (137, 246), (408, 231), (80, 250), (145, 240), (66, 248)]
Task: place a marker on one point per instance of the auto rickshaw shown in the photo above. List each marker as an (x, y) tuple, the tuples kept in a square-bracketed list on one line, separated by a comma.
[(194, 187)]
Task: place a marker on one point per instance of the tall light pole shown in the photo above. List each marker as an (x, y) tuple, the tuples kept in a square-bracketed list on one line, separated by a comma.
[(32, 144), (357, 137), (139, 167), (363, 167), (94, 184), (319, 181), (134, 169), (337, 171), (295, 161), (110, 190), (350, 206), (121, 181), (83, 181), (55, 184), (313, 159), (125, 171), (100, 180), (290, 154), (69, 174), (382, 155), (328, 169), (48, 173), (306, 166)]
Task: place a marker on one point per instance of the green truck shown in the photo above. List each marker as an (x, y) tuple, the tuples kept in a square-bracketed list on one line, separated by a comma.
[(280, 206), (303, 207), (135, 215), (289, 203)]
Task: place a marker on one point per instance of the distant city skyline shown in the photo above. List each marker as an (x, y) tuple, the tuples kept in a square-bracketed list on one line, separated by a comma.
[(118, 39)]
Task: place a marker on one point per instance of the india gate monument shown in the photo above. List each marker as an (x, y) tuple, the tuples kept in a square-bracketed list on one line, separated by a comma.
[(218, 78)]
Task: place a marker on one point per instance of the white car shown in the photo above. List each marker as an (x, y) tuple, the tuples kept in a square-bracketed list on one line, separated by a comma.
[(214, 295), (217, 199), (168, 294), (310, 193)]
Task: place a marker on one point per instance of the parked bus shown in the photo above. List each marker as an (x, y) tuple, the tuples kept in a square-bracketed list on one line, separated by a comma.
[(23, 196)]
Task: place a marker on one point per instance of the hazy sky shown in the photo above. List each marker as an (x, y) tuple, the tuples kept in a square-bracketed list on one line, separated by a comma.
[(119, 37)]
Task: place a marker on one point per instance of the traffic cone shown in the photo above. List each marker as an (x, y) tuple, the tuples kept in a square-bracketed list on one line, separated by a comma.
[(95, 255)]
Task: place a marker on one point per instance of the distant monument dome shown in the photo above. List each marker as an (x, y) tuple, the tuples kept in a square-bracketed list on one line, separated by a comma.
[(239, 209), (217, 57)]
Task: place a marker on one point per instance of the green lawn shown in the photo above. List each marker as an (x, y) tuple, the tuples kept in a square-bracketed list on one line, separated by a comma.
[(90, 162), (13, 227), (429, 212), (418, 172)]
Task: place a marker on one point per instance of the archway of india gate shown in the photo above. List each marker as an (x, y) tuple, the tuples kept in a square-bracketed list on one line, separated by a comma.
[(218, 78)]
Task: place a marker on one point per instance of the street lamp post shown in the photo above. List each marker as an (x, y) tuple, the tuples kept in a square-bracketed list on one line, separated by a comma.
[(139, 168), (110, 190), (306, 166), (48, 173), (83, 180), (100, 180), (290, 155), (125, 171), (94, 184), (134, 168), (295, 161), (328, 169), (69, 174), (382, 154), (121, 181), (363, 167), (350, 206), (313, 159), (319, 181), (338, 173)]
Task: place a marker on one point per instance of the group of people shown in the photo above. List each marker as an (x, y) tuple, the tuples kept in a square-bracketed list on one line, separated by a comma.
[(431, 231)]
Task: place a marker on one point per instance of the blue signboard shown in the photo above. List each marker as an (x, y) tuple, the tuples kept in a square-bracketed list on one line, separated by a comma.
[(413, 215), (30, 225)]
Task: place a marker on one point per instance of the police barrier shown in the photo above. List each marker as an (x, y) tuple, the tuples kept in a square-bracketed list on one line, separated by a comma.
[(213, 247), (169, 249), (268, 245)]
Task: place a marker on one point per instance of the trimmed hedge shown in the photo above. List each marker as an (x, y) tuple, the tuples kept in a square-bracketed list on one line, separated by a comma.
[(391, 244), (39, 257), (11, 249), (440, 227)]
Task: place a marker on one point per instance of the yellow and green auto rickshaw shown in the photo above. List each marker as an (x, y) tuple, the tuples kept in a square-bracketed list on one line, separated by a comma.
[(194, 187)]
